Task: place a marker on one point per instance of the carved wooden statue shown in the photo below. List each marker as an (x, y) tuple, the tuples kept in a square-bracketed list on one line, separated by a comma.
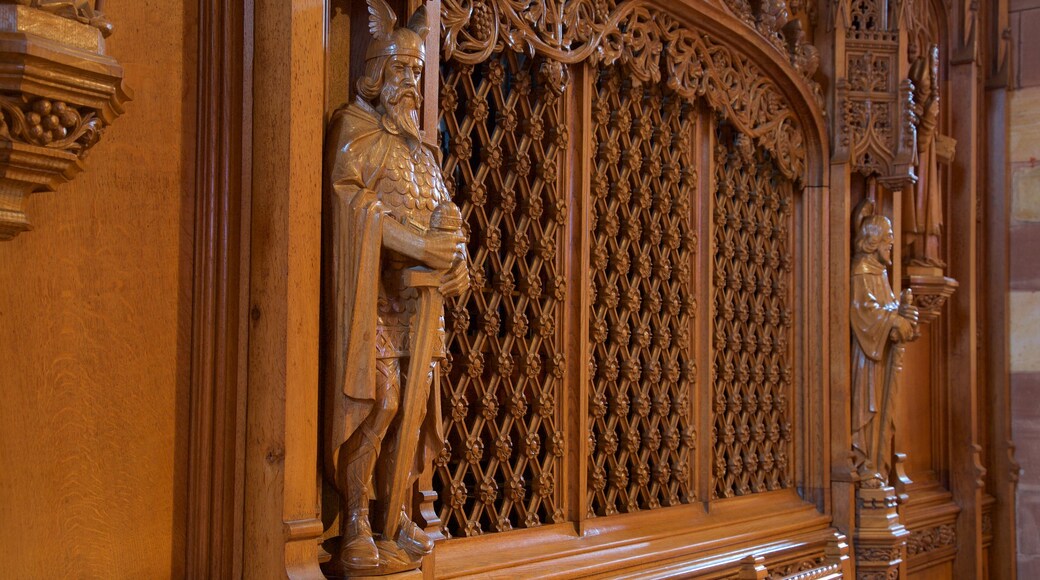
[(395, 249), (880, 326), (923, 210)]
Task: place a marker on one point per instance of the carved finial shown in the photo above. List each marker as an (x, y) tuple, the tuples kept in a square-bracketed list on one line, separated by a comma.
[(381, 19)]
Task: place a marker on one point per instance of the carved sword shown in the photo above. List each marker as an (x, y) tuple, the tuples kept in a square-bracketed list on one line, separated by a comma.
[(429, 309)]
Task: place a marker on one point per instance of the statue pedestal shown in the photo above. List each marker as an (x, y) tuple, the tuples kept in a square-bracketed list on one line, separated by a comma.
[(394, 563), (880, 537)]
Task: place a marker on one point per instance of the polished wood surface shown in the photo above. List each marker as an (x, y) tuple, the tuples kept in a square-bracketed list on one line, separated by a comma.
[(95, 330), (216, 462), (281, 506), (161, 413)]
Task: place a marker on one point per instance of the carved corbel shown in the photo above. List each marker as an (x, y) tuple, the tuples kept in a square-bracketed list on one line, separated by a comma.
[(58, 92)]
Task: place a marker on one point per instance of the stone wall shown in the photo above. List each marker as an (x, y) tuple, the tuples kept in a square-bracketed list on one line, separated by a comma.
[(1025, 276)]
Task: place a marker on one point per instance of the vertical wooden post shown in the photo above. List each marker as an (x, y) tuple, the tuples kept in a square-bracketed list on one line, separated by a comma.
[(282, 524), (966, 471), (843, 486), (576, 324), (1003, 474), (220, 295)]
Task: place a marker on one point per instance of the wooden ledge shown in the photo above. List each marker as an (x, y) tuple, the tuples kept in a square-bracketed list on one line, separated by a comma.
[(684, 540)]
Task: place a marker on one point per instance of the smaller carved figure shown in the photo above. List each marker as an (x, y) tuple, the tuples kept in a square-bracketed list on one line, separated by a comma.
[(923, 210), (804, 56), (881, 325)]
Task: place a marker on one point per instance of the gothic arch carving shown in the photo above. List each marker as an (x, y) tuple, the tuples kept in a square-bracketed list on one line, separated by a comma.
[(757, 87)]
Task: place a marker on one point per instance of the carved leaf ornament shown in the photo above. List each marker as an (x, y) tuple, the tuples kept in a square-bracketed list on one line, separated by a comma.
[(651, 43)]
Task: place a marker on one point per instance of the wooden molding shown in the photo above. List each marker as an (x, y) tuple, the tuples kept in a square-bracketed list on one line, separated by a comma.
[(217, 407)]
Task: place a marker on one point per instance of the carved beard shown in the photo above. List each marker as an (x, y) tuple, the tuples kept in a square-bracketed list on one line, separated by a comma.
[(402, 107)]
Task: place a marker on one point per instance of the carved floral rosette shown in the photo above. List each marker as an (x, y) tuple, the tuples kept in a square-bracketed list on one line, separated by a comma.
[(650, 42), (58, 94)]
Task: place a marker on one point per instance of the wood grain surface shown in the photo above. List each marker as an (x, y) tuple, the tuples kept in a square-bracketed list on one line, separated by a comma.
[(94, 333)]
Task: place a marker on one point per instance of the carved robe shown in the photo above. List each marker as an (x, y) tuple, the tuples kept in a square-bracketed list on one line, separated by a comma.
[(923, 210), (364, 187), (874, 315)]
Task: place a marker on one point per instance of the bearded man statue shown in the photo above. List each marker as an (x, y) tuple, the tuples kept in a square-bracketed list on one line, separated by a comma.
[(881, 325), (393, 248)]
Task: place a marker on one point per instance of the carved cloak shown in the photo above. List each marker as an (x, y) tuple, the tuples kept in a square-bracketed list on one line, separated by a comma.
[(356, 149), (873, 314)]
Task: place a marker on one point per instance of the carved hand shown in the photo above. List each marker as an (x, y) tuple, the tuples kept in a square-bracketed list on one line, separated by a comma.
[(440, 249), (909, 312), (456, 279), (906, 327)]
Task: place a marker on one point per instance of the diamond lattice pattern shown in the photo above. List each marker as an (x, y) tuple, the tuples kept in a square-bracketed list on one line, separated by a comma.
[(751, 431), (640, 403), (502, 143)]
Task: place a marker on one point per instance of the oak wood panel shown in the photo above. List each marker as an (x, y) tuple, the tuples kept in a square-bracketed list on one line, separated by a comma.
[(914, 416), (941, 572), (281, 525), (94, 333)]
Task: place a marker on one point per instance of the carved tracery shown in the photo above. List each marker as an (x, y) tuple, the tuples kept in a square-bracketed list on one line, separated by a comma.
[(653, 44), (875, 117)]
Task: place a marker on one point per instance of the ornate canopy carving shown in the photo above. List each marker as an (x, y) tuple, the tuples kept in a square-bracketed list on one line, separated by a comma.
[(653, 43)]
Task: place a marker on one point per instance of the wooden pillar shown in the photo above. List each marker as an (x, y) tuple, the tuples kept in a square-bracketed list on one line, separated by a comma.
[(1003, 475), (831, 33), (281, 511), (220, 297), (966, 470)]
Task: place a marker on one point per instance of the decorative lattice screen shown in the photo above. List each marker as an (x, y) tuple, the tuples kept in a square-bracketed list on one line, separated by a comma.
[(641, 398), (502, 143), (752, 275)]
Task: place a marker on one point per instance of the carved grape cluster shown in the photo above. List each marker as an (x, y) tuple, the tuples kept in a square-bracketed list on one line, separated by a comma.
[(49, 121)]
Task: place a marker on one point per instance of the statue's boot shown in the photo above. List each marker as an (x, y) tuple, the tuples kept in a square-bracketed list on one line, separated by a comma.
[(412, 539), (359, 551)]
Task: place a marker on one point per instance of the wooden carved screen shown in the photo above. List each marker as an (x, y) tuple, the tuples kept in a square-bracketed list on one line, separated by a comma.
[(644, 184), (751, 431), (503, 139), (687, 370)]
